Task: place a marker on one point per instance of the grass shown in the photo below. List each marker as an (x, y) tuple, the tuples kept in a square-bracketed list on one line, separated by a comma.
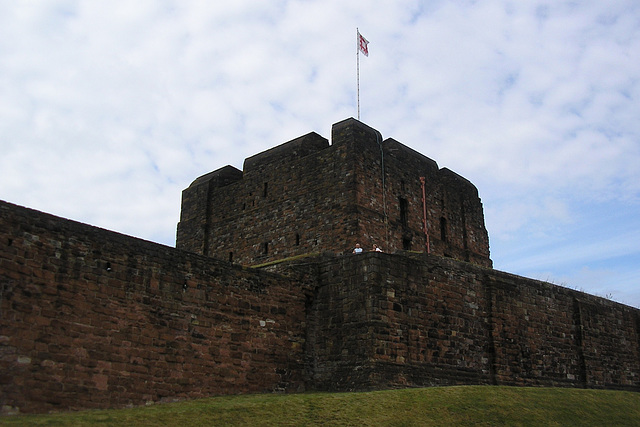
[(441, 406)]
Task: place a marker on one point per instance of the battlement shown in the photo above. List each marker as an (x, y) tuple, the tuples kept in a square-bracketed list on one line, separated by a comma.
[(291, 151), (219, 178), (352, 131), (308, 196), (404, 153)]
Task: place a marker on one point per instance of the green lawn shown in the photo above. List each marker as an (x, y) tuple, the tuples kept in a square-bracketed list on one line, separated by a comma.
[(439, 406)]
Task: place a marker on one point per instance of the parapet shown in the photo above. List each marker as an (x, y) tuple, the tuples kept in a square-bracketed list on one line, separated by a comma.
[(407, 155), (220, 177), (454, 180), (292, 150), (354, 130)]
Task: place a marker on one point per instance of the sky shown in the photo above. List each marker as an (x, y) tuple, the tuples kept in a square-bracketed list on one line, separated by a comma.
[(109, 109)]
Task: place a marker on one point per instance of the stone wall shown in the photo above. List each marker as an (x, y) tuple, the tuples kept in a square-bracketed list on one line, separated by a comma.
[(94, 319), (385, 320)]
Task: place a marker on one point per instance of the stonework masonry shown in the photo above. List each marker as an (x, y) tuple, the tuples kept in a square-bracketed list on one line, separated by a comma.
[(406, 320), (94, 319), (90, 318)]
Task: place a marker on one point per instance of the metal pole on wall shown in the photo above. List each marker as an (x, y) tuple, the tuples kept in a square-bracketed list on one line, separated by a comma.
[(358, 70), (424, 214), (384, 191)]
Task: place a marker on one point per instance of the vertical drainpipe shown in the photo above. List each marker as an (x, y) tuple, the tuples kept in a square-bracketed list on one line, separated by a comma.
[(207, 220), (424, 214), (384, 192)]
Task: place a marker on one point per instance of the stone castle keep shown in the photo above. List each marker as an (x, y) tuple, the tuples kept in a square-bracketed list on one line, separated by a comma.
[(308, 196), (263, 294)]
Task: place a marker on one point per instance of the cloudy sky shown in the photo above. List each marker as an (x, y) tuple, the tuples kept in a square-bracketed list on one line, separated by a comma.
[(109, 109)]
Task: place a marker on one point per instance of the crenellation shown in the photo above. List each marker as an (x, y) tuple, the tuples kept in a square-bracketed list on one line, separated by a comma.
[(285, 153)]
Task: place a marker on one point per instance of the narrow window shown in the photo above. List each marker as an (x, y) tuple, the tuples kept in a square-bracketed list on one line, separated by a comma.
[(443, 229), (230, 256), (264, 192), (464, 239), (266, 248), (297, 239), (406, 244), (402, 186), (464, 230), (404, 214)]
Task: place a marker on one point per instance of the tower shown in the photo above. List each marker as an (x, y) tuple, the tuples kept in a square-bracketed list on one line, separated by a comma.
[(309, 196)]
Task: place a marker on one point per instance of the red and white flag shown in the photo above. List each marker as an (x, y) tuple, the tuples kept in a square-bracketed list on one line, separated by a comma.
[(362, 44)]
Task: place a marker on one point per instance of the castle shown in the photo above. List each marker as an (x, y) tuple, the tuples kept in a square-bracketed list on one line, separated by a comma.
[(263, 294)]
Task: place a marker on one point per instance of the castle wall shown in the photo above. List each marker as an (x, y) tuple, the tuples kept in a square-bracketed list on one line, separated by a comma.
[(306, 196), (94, 319), (395, 321)]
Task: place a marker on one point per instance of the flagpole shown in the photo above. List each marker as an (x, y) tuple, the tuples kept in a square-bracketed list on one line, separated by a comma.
[(358, 68)]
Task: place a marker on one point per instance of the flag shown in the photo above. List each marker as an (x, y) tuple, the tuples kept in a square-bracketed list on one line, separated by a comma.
[(362, 44)]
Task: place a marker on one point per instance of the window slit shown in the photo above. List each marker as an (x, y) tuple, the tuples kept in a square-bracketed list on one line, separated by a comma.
[(404, 214), (443, 229)]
